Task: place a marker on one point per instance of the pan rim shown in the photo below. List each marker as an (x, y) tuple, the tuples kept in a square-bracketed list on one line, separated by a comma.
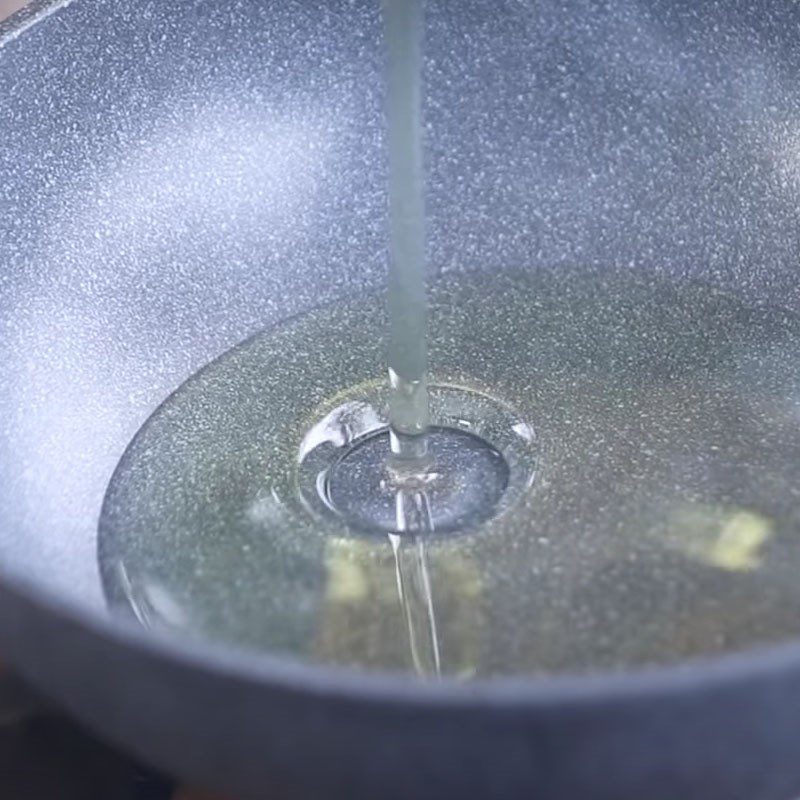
[(28, 15)]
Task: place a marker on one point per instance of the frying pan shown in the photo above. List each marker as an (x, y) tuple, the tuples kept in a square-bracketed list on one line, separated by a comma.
[(179, 174)]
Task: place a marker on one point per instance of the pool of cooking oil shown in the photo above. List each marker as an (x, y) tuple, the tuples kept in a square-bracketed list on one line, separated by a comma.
[(642, 481)]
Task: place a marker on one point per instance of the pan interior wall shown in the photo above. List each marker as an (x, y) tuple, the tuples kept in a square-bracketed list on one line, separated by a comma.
[(177, 176)]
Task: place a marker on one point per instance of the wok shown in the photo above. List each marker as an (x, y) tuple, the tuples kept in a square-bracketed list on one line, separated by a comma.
[(179, 174)]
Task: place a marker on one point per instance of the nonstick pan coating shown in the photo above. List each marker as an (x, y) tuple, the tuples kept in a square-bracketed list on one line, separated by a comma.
[(179, 174)]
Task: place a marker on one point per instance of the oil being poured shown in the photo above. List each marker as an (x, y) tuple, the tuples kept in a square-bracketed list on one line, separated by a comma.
[(567, 470), (407, 480)]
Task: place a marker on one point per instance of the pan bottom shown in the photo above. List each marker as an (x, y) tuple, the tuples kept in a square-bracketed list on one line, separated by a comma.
[(662, 524)]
